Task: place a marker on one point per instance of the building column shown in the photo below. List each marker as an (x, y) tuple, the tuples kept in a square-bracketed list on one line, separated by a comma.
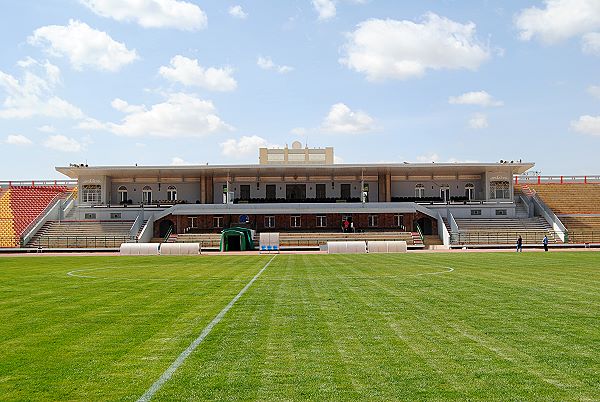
[(388, 187), (203, 190)]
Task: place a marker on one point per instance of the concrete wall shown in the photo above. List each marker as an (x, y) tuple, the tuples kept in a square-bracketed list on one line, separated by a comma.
[(464, 211), (311, 189), (432, 188), (189, 192)]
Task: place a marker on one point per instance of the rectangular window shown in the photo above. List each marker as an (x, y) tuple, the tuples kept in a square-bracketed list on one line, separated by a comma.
[(90, 216), (295, 221), (115, 215), (321, 191), (91, 193), (271, 191), (476, 212), (345, 191), (399, 221), (217, 221), (245, 192), (269, 221), (499, 190), (193, 221), (373, 221), (321, 221), (501, 212)]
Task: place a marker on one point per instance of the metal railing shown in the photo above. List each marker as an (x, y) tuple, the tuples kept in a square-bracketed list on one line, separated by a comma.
[(80, 241), (527, 179), (584, 236), (37, 183), (496, 237)]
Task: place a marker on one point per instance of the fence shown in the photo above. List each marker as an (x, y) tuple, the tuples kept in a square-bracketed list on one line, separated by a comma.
[(80, 241), (526, 179), (494, 237)]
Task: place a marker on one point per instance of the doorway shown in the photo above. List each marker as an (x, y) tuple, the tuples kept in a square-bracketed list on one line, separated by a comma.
[(164, 228), (295, 192), (425, 224)]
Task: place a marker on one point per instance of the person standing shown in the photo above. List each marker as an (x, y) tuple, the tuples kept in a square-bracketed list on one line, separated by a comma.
[(545, 242), (520, 244)]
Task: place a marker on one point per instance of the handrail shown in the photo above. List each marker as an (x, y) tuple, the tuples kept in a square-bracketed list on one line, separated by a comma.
[(453, 225), (169, 232), (420, 233), (443, 231), (549, 216), (36, 183), (40, 217), (49, 241), (502, 237), (528, 179), (133, 231)]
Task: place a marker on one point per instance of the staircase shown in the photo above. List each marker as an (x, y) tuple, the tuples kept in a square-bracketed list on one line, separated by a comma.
[(416, 239)]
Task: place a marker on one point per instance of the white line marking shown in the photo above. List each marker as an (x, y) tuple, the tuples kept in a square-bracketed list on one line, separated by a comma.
[(188, 351), (77, 274), (448, 270)]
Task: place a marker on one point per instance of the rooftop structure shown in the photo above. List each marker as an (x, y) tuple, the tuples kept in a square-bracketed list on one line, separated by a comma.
[(296, 155)]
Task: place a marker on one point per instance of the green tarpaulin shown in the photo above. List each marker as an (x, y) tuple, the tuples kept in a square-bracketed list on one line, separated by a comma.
[(236, 239)]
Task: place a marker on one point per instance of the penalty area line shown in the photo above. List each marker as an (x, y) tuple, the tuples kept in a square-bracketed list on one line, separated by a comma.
[(166, 375)]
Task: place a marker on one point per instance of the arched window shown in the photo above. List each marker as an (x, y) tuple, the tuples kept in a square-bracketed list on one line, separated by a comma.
[(469, 191), (147, 194), (419, 191), (122, 194), (172, 193)]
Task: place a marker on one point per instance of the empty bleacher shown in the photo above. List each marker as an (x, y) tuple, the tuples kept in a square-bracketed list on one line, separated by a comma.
[(502, 231), (20, 206), (206, 240), (582, 229), (82, 234), (572, 198), (7, 231)]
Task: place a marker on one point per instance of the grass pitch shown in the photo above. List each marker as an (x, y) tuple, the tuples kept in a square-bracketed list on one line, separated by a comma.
[(500, 326)]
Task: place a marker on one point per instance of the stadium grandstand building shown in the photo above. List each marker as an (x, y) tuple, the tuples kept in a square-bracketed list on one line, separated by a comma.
[(300, 193)]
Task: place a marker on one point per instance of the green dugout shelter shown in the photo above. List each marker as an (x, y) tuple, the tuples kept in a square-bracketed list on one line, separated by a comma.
[(236, 239)]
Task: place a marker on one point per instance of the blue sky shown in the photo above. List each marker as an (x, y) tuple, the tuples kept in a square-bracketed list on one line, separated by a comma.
[(160, 82)]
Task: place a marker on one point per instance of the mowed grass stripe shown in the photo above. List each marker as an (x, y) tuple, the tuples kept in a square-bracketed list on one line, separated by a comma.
[(118, 333), (320, 327)]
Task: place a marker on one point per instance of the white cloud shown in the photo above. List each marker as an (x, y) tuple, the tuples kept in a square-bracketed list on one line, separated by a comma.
[(478, 121), (33, 95), (594, 90), (244, 147), (558, 20), (123, 106), (90, 124), (47, 129), (177, 161), (189, 72), (267, 64), (83, 46), (325, 8), (587, 125), (18, 139), (341, 119), (180, 115), (62, 143), (479, 98), (176, 14), (238, 12), (591, 43), (391, 49)]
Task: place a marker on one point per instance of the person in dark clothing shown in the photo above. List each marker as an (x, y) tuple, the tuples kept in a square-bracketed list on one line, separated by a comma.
[(520, 244), (545, 242)]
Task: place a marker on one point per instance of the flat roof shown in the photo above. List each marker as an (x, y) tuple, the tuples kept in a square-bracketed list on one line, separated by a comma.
[(278, 170)]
